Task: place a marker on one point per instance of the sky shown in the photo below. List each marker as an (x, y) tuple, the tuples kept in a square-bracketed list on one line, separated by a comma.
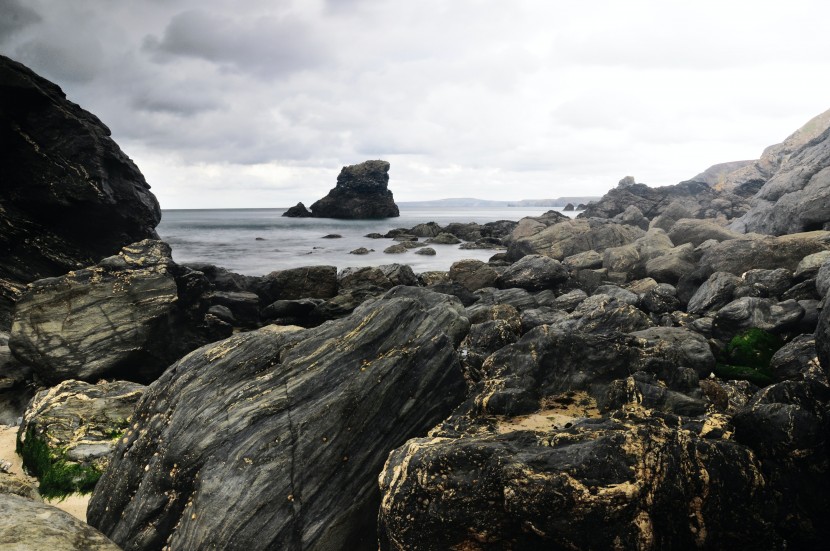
[(225, 103)]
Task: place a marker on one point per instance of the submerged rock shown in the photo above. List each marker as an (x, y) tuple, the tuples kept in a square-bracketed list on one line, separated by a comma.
[(293, 429)]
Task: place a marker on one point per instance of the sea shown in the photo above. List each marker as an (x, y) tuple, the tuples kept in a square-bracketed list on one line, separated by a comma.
[(260, 241)]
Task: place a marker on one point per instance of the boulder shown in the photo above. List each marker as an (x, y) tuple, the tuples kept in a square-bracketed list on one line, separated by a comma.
[(736, 256), (810, 265), (533, 273), (396, 249), (35, 526), (633, 217), (588, 260), (444, 239), (619, 294), (660, 299), (298, 211), (714, 294), (694, 231), (128, 316), (482, 340), (296, 283), (762, 313), (604, 314), (16, 384), (570, 300), (426, 251), (69, 432), (243, 305), (670, 267), (764, 283), (616, 482), (571, 237), (69, 196), (473, 274), (269, 405), (797, 360), (430, 229), (631, 259), (360, 251), (361, 192)]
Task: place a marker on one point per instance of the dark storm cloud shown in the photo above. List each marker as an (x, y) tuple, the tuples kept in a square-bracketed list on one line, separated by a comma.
[(267, 45), (15, 17)]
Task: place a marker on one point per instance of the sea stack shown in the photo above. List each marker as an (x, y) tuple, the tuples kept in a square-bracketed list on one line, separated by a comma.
[(361, 192)]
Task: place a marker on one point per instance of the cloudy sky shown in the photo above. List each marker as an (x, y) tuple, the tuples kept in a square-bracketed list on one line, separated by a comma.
[(224, 103)]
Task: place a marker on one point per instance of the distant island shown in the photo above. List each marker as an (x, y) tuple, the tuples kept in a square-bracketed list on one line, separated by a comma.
[(473, 202)]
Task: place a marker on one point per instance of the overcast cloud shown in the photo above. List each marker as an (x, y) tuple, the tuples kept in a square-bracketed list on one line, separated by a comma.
[(259, 104)]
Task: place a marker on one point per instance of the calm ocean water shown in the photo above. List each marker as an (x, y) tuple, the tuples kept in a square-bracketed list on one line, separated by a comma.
[(228, 238)]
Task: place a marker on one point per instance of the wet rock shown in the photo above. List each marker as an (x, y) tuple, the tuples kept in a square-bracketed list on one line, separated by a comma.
[(736, 256), (482, 340), (714, 294), (764, 283), (489, 297), (79, 424), (618, 293), (298, 211), (430, 229), (360, 251), (570, 300), (338, 397), (670, 267), (599, 484), (70, 196), (747, 312), (128, 316), (332, 236), (292, 312), (810, 265), (426, 251), (36, 526), (633, 217), (374, 235), (473, 274), (395, 249), (244, 306), (533, 273), (225, 280), (661, 299), (361, 192), (296, 283), (603, 314), (444, 239), (544, 315), (796, 360)]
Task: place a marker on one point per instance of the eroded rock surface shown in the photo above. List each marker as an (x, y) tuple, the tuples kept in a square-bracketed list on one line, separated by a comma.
[(274, 440), (361, 192)]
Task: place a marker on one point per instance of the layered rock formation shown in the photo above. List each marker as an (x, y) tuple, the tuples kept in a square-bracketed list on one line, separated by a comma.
[(130, 315), (69, 195), (361, 192), (293, 429)]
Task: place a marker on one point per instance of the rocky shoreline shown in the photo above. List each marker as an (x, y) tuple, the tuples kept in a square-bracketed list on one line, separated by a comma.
[(649, 375)]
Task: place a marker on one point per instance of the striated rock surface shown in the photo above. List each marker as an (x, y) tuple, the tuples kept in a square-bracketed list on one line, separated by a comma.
[(274, 439), (361, 192), (69, 195), (794, 195), (128, 315), (31, 525), (569, 237)]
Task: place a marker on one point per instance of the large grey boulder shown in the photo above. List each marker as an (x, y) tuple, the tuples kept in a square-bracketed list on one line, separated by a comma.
[(714, 294), (736, 256), (69, 196), (570, 237), (127, 315), (29, 525), (631, 259), (274, 440), (762, 313), (473, 274), (533, 273), (695, 231)]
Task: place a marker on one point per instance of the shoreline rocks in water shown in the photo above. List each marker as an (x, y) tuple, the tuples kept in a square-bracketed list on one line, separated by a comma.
[(361, 193), (645, 376)]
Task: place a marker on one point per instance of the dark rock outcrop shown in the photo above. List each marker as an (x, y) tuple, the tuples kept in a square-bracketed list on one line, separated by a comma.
[(618, 482), (361, 192), (69, 195), (298, 211), (131, 315), (293, 429)]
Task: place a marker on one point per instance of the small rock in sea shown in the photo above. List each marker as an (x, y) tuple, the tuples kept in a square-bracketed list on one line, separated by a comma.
[(259, 239), (373, 235), (405, 237), (332, 236), (429, 251), (395, 249), (361, 250)]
